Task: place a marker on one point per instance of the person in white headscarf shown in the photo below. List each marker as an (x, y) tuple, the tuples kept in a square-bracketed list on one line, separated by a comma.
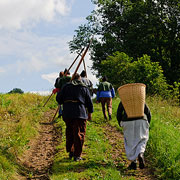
[(136, 135)]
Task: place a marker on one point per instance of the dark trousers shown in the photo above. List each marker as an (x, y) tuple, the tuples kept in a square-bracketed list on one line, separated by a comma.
[(75, 135)]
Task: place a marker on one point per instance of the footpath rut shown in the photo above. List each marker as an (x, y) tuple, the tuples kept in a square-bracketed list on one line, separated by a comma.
[(37, 160), (116, 140)]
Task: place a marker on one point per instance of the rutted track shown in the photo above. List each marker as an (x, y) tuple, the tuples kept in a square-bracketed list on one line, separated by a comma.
[(37, 160), (116, 140)]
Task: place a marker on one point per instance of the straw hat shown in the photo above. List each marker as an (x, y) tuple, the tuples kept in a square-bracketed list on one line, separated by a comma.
[(133, 99)]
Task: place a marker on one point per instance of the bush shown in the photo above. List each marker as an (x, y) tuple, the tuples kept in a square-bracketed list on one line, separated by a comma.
[(121, 69), (16, 90)]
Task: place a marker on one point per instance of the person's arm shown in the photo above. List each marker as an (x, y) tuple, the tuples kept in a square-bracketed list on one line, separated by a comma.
[(113, 92), (88, 103), (97, 96), (120, 113), (147, 112), (89, 116), (59, 97)]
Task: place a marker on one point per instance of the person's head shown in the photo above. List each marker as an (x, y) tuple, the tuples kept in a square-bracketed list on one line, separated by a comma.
[(104, 78), (61, 74), (83, 73), (76, 76), (66, 72)]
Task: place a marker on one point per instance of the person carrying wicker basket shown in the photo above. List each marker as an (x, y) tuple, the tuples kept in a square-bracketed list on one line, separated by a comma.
[(134, 116)]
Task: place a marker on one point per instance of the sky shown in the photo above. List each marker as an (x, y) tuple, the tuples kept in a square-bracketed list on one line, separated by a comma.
[(34, 36)]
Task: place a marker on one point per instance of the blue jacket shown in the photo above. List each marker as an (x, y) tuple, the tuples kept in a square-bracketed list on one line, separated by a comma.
[(105, 89)]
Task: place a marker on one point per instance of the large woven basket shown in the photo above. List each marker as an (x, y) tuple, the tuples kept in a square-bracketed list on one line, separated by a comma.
[(133, 99)]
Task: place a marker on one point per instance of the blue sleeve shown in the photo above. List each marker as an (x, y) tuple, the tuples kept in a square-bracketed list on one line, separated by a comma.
[(97, 95), (112, 92)]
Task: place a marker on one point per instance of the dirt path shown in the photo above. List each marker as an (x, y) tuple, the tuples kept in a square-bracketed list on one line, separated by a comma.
[(116, 140), (37, 160)]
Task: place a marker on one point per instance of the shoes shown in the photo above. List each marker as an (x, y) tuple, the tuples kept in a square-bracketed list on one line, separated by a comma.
[(141, 161), (71, 155), (110, 117), (78, 158), (132, 166)]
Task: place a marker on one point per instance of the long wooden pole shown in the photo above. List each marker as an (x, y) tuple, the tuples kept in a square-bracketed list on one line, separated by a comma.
[(65, 74), (82, 57), (84, 66), (48, 99), (56, 113), (74, 61)]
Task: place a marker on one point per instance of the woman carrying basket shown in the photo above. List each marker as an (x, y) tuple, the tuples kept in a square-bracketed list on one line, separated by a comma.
[(136, 132)]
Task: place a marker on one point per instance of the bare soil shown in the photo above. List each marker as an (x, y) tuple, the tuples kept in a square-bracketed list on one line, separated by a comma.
[(37, 160), (116, 140)]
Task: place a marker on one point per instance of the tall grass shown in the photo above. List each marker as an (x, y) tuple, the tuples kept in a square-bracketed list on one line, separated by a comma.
[(19, 120), (164, 144), (163, 148)]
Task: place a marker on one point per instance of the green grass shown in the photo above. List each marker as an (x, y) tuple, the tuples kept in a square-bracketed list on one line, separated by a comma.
[(19, 122)]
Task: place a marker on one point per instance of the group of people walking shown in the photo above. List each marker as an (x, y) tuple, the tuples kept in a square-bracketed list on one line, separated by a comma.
[(75, 95)]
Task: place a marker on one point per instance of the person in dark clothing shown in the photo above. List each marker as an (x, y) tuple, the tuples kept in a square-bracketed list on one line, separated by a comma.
[(56, 85), (65, 79), (60, 82), (57, 89), (86, 81), (77, 109), (136, 135)]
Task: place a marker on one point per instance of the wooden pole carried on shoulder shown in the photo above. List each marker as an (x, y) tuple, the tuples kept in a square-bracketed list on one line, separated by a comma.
[(74, 61), (82, 57), (65, 74)]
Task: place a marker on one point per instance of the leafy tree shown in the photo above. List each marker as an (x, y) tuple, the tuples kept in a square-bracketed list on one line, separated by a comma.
[(16, 90), (121, 69), (136, 27)]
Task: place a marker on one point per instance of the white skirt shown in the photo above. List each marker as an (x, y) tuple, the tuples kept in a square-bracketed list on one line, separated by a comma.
[(136, 135)]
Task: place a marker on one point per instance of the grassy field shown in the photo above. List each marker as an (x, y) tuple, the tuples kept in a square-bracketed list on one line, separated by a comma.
[(19, 121)]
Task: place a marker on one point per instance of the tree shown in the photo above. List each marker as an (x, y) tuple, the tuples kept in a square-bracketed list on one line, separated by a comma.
[(136, 28), (122, 69), (16, 90)]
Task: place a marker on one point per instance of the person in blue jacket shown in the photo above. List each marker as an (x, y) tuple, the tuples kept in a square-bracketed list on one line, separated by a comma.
[(105, 93)]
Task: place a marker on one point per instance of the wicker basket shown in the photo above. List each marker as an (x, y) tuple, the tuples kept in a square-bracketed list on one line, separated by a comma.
[(133, 99)]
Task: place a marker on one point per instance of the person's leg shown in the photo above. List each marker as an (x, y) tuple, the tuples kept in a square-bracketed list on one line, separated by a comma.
[(109, 107), (60, 111), (103, 103), (69, 137), (79, 131), (133, 165), (141, 160)]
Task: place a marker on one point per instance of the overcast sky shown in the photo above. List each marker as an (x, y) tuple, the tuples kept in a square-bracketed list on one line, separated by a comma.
[(34, 36)]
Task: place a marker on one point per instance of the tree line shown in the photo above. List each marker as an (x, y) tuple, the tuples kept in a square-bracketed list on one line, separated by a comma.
[(134, 41)]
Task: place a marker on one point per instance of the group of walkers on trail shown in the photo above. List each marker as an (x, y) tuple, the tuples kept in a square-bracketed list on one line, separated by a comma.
[(74, 96)]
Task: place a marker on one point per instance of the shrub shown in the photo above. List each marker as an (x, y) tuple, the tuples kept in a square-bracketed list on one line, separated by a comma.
[(121, 69)]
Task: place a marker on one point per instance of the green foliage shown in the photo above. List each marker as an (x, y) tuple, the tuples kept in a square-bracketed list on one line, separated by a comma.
[(20, 115), (16, 90), (122, 69), (136, 28), (163, 146)]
